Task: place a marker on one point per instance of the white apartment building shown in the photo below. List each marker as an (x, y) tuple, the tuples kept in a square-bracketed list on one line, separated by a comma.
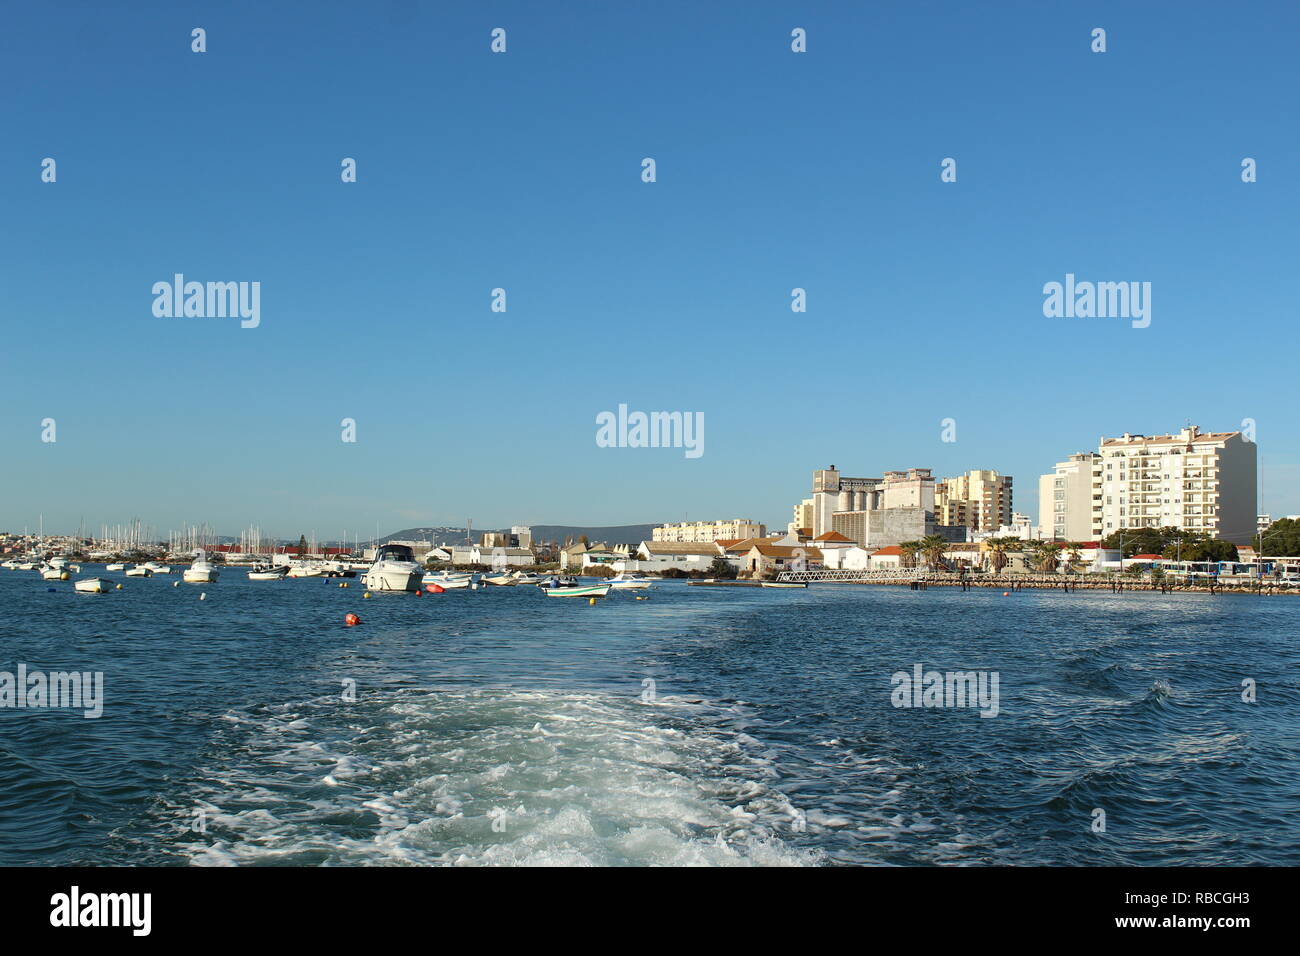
[(703, 532), (1199, 482), (1066, 499), (1204, 482), (803, 516)]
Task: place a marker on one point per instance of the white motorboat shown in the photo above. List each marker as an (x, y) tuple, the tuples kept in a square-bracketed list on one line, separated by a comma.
[(501, 580), (395, 569), (784, 584), (201, 571), (10, 565), (92, 586), (28, 566), (139, 571), (115, 566), (156, 568), (51, 573), (633, 581), (527, 577), (58, 561), (449, 581), (306, 571), (263, 572)]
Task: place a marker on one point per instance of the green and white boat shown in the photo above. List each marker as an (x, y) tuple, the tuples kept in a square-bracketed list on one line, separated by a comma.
[(591, 590)]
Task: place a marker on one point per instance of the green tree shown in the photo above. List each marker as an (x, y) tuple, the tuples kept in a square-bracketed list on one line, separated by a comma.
[(1281, 539), (722, 568), (910, 551), (933, 546), (998, 548), (1047, 555)]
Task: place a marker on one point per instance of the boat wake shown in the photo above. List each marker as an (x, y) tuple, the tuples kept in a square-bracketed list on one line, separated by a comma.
[(478, 778)]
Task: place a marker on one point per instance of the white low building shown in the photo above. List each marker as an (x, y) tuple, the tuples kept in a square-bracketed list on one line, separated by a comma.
[(499, 557), (852, 558)]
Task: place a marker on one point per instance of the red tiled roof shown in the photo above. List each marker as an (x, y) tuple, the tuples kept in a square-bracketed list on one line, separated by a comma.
[(892, 549)]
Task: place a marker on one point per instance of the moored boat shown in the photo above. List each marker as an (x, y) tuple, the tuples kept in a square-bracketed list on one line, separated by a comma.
[(448, 580), (586, 590), (201, 571), (266, 572), (92, 586), (394, 569), (139, 571), (625, 581), (784, 584)]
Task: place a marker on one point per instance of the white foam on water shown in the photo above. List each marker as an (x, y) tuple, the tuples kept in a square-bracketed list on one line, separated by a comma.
[(483, 778)]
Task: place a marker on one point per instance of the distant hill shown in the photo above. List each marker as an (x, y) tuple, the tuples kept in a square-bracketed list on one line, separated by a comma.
[(616, 534)]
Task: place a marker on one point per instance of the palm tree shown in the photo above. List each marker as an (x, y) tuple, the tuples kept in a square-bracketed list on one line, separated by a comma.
[(1074, 558), (910, 550), (933, 546), (997, 549), (1048, 555)]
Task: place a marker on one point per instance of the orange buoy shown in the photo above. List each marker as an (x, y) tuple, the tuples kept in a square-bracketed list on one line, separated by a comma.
[(1006, 594), (434, 588), (351, 620)]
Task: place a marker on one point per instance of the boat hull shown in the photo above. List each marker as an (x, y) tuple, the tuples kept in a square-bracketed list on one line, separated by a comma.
[(391, 579), (92, 586), (597, 590), (449, 584)]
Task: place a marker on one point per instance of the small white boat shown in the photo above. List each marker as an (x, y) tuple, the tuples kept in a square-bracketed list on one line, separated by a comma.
[(28, 566), (589, 590), (262, 572), (395, 569), (10, 565), (50, 573), (784, 584), (139, 571), (527, 577), (115, 566), (92, 586), (449, 581), (501, 580), (58, 561), (156, 568), (306, 571), (201, 571), (629, 582)]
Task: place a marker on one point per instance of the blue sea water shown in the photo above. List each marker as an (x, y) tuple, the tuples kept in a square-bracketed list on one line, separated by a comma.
[(701, 726)]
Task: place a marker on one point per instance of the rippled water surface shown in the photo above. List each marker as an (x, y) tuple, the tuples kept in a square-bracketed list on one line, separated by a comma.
[(504, 727)]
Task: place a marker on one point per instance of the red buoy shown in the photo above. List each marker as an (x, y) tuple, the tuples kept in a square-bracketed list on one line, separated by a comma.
[(434, 588), (351, 620)]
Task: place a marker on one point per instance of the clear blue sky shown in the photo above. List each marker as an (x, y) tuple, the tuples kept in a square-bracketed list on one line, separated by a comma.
[(775, 170)]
